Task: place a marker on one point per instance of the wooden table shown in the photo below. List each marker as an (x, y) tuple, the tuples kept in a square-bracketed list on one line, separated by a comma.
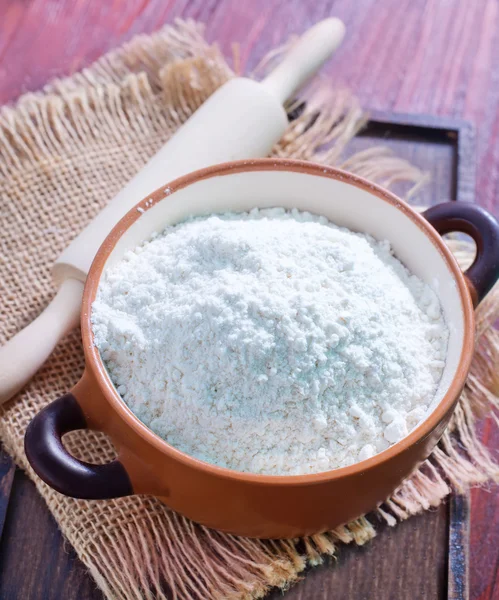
[(412, 56)]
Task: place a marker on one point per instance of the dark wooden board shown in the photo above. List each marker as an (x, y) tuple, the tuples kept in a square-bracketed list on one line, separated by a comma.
[(441, 146), (458, 587), (7, 471), (414, 547), (416, 568), (35, 563)]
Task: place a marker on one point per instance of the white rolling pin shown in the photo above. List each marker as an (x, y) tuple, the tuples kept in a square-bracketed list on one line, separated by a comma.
[(242, 119)]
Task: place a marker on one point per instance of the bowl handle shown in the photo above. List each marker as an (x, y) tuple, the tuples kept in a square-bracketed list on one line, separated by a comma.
[(484, 229), (53, 463)]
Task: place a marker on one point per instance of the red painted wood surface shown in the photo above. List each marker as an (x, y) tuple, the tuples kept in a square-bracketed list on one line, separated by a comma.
[(416, 56), (430, 56)]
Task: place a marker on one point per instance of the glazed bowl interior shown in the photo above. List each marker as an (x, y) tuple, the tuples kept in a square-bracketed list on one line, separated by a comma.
[(344, 200)]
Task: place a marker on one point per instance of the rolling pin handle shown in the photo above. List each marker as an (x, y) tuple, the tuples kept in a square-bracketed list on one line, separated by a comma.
[(309, 53)]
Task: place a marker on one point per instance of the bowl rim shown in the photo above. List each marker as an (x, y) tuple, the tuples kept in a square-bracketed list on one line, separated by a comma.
[(93, 361)]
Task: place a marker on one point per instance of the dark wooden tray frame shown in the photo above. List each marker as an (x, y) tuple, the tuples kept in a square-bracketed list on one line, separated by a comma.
[(461, 135)]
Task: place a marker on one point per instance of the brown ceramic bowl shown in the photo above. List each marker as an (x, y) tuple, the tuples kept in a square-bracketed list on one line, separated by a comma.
[(245, 503)]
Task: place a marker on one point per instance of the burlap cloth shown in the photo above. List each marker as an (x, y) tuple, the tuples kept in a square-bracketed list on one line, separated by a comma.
[(64, 152)]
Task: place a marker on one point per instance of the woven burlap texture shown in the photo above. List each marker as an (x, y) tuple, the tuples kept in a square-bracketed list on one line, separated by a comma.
[(64, 152)]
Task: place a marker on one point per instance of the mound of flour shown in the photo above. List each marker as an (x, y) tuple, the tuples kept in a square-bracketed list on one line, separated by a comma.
[(270, 341)]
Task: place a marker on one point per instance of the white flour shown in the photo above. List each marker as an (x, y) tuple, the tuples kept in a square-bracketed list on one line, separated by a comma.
[(270, 342)]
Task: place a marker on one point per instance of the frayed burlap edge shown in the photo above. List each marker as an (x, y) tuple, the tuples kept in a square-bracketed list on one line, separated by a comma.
[(136, 547)]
